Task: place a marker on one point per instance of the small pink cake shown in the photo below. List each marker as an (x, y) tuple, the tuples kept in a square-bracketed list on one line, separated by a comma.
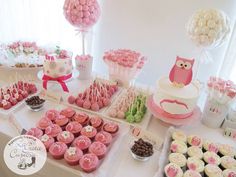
[(89, 162), (111, 128), (52, 114), (74, 127), (104, 138), (65, 137), (43, 123), (82, 142), (53, 130), (98, 148), (89, 131), (96, 122), (62, 121), (47, 141), (68, 112), (57, 150), (73, 155), (36, 132), (82, 118)]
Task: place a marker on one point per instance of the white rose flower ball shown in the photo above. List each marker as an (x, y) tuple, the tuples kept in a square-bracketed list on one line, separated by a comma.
[(208, 28)]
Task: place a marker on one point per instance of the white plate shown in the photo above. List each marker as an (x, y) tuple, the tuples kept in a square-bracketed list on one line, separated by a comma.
[(75, 74)]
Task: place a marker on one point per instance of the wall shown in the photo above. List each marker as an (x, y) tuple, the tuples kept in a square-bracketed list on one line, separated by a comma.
[(157, 29)]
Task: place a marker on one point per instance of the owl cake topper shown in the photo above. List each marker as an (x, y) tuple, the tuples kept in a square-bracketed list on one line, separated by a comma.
[(181, 73)]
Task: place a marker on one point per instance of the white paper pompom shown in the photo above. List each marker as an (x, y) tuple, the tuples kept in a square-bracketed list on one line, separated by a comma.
[(207, 28)]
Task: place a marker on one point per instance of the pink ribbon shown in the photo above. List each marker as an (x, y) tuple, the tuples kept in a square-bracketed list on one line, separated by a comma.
[(61, 80)]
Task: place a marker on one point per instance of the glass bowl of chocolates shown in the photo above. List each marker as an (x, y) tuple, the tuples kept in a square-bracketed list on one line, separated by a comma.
[(35, 103), (141, 150)]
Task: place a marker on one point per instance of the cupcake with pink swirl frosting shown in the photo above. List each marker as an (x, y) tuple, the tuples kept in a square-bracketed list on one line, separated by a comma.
[(57, 150), (52, 114), (68, 112), (104, 138), (82, 142), (43, 123), (73, 155), (65, 137), (62, 121), (82, 118), (96, 122), (47, 141), (36, 132), (89, 131), (74, 127), (111, 127), (89, 162), (53, 130), (98, 148)]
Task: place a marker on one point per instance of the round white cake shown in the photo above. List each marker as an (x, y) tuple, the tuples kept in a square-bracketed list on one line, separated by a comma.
[(174, 100), (58, 67)]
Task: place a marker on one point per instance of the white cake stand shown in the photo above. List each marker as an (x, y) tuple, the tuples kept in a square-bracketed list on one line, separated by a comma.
[(177, 122)]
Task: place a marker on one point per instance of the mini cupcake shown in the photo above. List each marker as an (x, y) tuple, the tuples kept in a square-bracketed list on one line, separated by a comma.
[(96, 122), (73, 155), (82, 142), (212, 171), (36, 132), (179, 135), (228, 162), (194, 140), (111, 128), (103, 137), (89, 162), (229, 173), (211, 158), (52, 114), (173, 170), (98, 148), (57, 150), (65, 137), (89, 131), (195, 164), (195, 151), (74, 127), (53, 130), (62, 121), (210, 146), (43, 123), (178, 147), (68, 112), (47, 141), (178, 159), (192, 173), (82, 118), (226, 150)]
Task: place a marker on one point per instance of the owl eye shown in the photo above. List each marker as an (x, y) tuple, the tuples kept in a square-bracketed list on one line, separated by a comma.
[(180, 63), (187, 65)]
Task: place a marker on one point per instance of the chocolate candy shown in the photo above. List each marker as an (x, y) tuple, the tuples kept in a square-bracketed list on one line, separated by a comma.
[(34, 101), (142, 148)]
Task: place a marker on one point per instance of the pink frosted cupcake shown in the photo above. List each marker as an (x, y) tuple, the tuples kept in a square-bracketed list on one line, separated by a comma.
[(82, 118), (98, 148), (73, 155), (104, 138), (68, 112), (43, 123), (89, 131), (47, 141), (65, 137), (57, 150), (52, 114), (36, 132), (96, 122), (82, 142), (89, 162), (53, 130), (62, 121), (111, 128), (74, 127)]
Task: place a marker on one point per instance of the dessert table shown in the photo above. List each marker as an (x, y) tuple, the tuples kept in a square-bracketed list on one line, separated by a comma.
[(121, 163)]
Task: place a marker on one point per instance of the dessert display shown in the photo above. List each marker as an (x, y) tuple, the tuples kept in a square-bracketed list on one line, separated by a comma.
[(131, 106), (35, 103), (124, 65), (96, 97), (81, 139), (195, 156), (14, 93), (142, 150), (57, 66), (176, 97)]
